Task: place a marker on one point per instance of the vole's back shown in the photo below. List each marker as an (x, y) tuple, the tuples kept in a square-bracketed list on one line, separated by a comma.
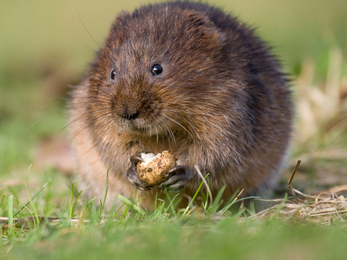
[(185, 77)]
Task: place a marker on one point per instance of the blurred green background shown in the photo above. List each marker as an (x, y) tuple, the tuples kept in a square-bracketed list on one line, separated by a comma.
[(34, 30), (45, 48)]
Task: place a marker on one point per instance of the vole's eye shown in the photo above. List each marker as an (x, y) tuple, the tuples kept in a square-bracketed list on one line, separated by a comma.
[(156, 69), (113, 74)]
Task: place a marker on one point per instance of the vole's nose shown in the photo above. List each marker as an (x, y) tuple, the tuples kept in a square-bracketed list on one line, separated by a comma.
[(129, 113)]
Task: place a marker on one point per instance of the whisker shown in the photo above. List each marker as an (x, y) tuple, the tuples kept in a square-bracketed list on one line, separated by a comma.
[(156, 131), (193, 128), (85, 26), (78, 131), (172, 135), (42, 119), (169, 118), (47, 102)]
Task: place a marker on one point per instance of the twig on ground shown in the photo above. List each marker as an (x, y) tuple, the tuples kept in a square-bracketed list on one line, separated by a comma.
[(290, 182)]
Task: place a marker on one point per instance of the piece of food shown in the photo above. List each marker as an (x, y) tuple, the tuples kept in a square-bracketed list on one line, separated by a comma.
[(154, 169)]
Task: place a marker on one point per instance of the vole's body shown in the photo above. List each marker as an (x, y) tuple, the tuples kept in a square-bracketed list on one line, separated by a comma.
[(220, 103)]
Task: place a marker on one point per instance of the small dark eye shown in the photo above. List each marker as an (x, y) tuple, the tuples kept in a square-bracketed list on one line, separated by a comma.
[(157, 69), (113, 74)]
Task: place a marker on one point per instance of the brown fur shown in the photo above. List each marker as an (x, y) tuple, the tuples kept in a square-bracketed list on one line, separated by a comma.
[(221, 103)]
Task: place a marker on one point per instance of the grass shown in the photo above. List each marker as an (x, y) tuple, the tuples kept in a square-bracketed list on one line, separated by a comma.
[(190, 240), (55, 219), (136, 234), (80, 229)]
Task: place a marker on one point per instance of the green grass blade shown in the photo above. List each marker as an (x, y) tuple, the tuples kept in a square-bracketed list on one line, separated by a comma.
[(196, 193), (102, 206), (120, 207), (31, 199), (232, 201), (280, 206), (155, 201), (132, 205), (216, 203), (2, 200), (74, 204), (71, 199), (31, 214), (10, 214), (170, 206)]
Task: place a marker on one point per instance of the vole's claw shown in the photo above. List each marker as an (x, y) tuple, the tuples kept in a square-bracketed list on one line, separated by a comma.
[(133, 176), (179, 175), (135, 160)]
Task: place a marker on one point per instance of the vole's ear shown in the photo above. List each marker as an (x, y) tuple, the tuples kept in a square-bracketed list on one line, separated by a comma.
[(121, 18), (199, 25), (117, 35)]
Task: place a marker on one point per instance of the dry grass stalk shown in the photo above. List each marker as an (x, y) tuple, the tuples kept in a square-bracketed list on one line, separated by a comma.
[(324, 208), (321, 108), (290, 181), (30, 221)]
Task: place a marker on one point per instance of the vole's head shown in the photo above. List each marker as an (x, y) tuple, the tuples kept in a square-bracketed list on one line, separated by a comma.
[(159, 68)]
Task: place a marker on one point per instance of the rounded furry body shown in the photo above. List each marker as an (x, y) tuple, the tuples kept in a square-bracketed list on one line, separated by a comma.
[(221, 102)]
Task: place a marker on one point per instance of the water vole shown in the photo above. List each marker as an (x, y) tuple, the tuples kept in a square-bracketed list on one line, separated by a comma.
[(189, 78)]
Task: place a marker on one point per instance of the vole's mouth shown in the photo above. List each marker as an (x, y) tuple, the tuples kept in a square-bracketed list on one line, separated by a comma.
[(140, 129), (146, 131)]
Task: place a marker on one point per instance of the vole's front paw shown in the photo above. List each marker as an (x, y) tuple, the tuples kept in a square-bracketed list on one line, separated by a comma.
[(133, 176), (179, 175)]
